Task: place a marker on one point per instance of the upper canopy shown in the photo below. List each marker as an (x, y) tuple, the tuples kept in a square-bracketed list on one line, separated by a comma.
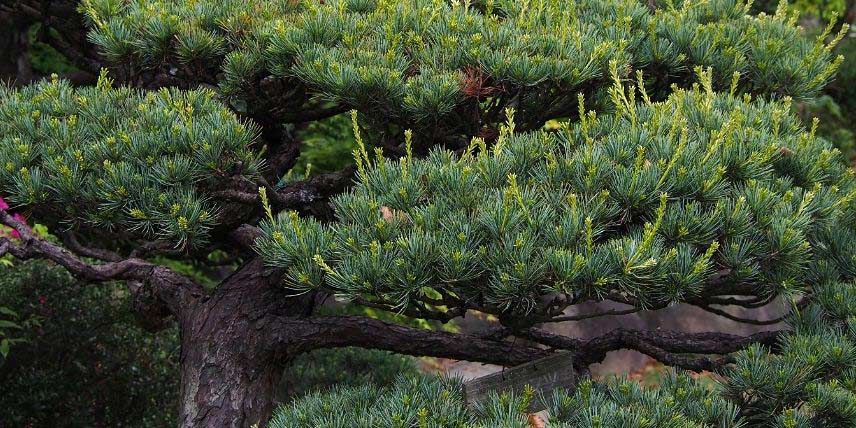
[(663, 202), (420, 62), (136, 163)]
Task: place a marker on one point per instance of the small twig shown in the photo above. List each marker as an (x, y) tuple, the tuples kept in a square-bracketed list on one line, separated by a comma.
[(752, 321), (580, 317), (71, 242)]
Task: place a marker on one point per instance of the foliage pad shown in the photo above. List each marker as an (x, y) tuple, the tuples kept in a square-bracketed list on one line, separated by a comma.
[(420, 63), (430, 402), (118, 159), (660, 203)]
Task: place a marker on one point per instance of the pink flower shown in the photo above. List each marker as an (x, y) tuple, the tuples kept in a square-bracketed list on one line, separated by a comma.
[(5, 231)]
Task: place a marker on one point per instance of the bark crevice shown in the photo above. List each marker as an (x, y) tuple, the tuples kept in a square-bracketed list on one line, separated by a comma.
[(229, 374)]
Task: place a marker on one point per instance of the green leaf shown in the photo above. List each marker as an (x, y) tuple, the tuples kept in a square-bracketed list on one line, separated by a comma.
[(6, 311), (9, 324)]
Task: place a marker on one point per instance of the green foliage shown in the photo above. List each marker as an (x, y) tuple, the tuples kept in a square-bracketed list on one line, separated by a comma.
[(43, 57), (811, 380), (643, 202), (429, 402), (406, 403), (11, 325), (326, 146), (836, 122), (844, 90), (86, 363), (119, 158), (680, 401), (836, 108), (450, 68), (325, 368), (827, 10), (646, 204)]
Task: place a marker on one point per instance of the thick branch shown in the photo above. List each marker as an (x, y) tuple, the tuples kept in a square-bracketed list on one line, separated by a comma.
[(659, 344), (319, 187), (331, 332), (172, 289), (300, 196)]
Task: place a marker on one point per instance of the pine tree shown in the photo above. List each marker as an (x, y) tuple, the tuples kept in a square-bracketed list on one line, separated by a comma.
[(513, 158)]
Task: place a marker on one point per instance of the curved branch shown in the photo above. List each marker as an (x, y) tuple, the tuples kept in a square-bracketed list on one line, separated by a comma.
[(175, 291), (659, 344), (736, 318), (69, 239), (580, 317), (341, 331), (301, 195)]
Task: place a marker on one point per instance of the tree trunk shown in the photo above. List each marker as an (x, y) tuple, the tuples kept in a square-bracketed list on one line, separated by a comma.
[(14, 64), (229, 373), (236, 341), (225, 382)]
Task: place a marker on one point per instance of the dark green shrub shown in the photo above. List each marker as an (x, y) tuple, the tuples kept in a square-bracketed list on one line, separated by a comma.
[(326, 368), (88, 364)]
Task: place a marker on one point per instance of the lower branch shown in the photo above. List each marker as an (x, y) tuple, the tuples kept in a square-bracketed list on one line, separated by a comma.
[(303, 196), (175, 291), (662, 345), (340, 331)]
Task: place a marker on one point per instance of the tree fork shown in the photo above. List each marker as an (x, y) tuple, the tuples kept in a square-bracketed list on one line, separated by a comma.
[(235, 345)]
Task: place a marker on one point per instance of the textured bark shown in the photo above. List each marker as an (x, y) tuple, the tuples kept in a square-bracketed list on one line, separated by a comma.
[(304, 335), (227, 379), (228, 373), (236, 342), (14, 64)]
